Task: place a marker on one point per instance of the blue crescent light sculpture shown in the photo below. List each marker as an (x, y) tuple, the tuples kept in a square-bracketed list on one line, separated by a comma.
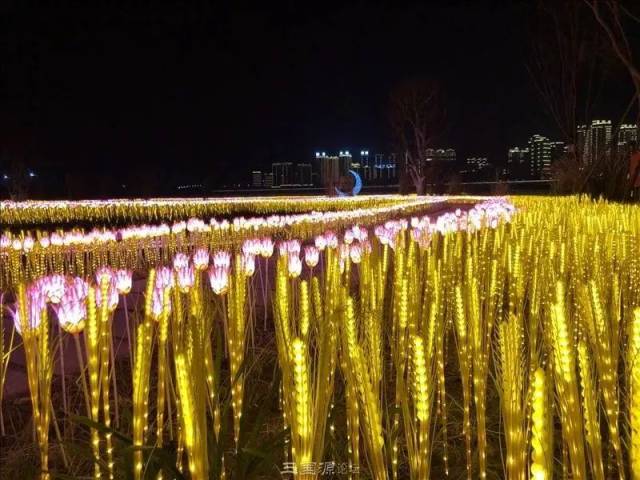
[(356, 187)]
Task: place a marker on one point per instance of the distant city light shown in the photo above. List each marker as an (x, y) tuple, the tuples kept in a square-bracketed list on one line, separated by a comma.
[(31, 174), (5, 176), (317, 154)]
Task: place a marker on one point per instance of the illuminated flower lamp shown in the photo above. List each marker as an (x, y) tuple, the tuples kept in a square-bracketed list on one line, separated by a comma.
[(185, 278), (219, 280), (71, 312), (180, 261), (222, 259), (311, 256), (123, 280), (295, 265), (201, 258), (112, 297), (53, 288), (248, 264), (266, 247)]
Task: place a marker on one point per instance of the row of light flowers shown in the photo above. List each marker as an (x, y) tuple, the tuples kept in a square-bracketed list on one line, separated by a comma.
[(73, 298), (78, 237), (68, 294)]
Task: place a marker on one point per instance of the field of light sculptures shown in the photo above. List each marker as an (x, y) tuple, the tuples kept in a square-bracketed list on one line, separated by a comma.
[(381, 337)]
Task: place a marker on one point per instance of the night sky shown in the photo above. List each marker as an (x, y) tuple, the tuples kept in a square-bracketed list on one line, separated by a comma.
[(216, 91)]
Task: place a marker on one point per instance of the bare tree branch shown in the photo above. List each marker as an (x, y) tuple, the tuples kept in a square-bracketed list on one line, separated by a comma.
[(417, 118)]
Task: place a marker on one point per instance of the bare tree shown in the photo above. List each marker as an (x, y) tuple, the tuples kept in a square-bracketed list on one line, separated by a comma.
[(570, 59), (566, 66), (616, 20), (417, 119)]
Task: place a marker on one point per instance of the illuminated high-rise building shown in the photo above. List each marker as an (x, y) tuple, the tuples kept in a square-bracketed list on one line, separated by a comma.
[(539, 157), (366, 169), (598, 141), (345, 162), (267, 180), (328, 167), (282, 173), (476, 164), (517, 163), (303, 174), (581, 141), (440, 155), (627, 138), (256, 179)]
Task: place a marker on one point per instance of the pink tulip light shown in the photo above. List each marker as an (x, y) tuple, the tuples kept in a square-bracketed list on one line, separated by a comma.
[(311, 256), (53, 288), (180, 261), (248, 264), (201, 258), (103, 272), (219, 280), (80, 287), (112, 297), (36, 304), (71, 312), (157, 303), (123, 281), (295, 265), (185, 278), (266, 247), (320, 242), (222, 259), (164, 278)]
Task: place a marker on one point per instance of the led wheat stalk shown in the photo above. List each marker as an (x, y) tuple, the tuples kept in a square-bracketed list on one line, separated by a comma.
[(512, 378), (481, 323), (189, 356), (141, 373), (357, 374), (541, 429), (92, 344), (605, 344), (236, 335), (566, 385), (104, 354), (633, 369), (462, 339), (301, 411), (163, 330), (437, 309), (422, 392), (34, 328), (591, 424), (399, 341), (323, 372)]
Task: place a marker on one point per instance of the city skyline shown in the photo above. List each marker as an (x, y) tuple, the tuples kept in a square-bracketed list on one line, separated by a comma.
[(530, 162)]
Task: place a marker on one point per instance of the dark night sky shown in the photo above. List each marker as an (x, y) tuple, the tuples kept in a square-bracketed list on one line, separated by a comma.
[(216, 91)]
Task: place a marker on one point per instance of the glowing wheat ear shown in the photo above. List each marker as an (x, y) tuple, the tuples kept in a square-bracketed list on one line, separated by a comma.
[(634, 383)]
